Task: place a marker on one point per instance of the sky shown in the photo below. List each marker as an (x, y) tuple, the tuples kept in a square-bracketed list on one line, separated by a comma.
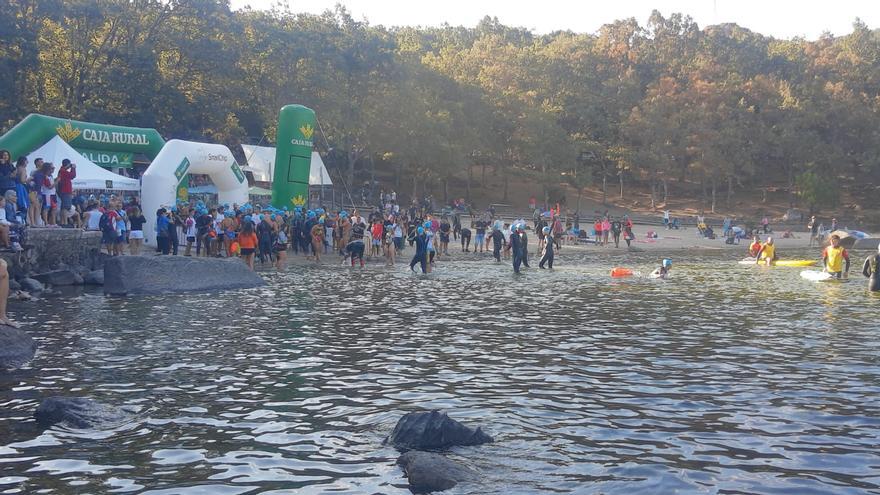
[(778, 18)]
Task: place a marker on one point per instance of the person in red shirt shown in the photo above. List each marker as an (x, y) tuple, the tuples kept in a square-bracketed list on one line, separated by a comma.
[(376, 230), (754, 247), (65, 188)]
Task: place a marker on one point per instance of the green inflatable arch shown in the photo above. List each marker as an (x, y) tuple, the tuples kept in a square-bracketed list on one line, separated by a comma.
[(86, 137)]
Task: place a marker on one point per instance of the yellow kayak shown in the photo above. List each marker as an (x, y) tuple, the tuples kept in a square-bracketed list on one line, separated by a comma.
[(796, 262)]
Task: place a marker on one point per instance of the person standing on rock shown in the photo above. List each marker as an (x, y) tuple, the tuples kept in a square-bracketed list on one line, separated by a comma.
[(4, 295), (136, 221)]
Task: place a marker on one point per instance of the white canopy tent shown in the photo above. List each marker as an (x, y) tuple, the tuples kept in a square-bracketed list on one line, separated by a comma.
[(261, 162), (88, 174)]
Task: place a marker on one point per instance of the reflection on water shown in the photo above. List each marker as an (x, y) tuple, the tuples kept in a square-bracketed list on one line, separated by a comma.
[(723, 379)]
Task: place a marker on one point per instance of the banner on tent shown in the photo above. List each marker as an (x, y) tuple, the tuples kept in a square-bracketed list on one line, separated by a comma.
[(108, 158)]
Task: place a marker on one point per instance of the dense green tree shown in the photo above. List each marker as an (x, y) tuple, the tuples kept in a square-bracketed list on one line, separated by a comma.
[(668, 105)]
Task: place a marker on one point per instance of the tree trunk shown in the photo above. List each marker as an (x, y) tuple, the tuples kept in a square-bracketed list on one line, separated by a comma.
[(446, 190), (469, 179), (729, 190), (665, 191), (373, 179), (703, 189), (713, 194), (544, 183), (620, 176), (415, 193), (483, 178), (653, 194), (506, 181), (349, 169), (397, 176), (604, 190)]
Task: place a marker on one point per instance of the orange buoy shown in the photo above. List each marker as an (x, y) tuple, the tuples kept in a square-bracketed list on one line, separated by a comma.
[(619, 271)]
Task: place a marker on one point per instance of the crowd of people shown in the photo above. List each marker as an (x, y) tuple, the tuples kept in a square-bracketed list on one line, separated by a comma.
[(41, 198)]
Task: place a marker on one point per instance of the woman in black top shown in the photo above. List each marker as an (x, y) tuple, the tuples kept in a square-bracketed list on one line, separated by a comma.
[(136, 222), (7, 172)]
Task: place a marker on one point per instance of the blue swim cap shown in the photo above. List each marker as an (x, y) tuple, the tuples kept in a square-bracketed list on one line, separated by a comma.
[(273, 217), (174, 209), (285, 208), (667, 262), (546, 230), (248, 218), (312, 214), (427, 225), (321, 221), (420, 230)]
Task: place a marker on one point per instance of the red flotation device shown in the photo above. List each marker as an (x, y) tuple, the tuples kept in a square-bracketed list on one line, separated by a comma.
[(619, 271)]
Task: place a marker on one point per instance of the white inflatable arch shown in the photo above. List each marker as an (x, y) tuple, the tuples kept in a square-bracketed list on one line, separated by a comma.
[(178, 158)]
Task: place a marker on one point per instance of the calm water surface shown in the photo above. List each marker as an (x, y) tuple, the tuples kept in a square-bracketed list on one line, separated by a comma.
[(725, 379)]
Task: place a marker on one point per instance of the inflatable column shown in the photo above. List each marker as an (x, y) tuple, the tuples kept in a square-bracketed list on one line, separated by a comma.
[(293, 156)]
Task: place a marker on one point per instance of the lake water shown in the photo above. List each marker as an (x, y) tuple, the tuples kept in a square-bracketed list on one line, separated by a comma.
[(724, 379)]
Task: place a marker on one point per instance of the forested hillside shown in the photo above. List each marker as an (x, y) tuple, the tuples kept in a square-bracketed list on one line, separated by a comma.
[(668, 106)]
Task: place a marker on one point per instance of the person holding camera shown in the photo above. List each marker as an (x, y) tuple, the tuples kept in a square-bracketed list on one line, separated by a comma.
[(65, 189)]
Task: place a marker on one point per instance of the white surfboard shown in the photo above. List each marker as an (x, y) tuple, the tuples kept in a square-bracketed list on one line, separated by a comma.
[(814, 276)]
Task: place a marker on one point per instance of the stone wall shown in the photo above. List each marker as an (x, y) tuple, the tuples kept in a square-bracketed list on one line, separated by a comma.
[(51, 248)]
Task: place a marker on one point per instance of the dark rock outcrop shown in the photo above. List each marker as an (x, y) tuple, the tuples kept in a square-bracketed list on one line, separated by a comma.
[(95, 277), (166, 274), (433, 430), (429, 472), (78, 412), (14, 285), (16, 348), (31, 285), (64, 276)]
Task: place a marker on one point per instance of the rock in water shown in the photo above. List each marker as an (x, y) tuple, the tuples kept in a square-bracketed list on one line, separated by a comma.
[(95, 277), (31, 285), (433, 430), (16, 348), (78, 412), (60, 277), (165, 274), (429, 472)]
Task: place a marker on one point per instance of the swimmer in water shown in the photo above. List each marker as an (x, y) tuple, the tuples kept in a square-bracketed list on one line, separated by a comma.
[(663, 271), (871, 270)]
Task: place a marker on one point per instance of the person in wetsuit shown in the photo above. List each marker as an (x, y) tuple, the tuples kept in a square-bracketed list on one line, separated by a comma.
[(525, 244), (355, 247), (871, 270), (515, 247), (547, 258), (421, 256), (497, 243), (466, 240)]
